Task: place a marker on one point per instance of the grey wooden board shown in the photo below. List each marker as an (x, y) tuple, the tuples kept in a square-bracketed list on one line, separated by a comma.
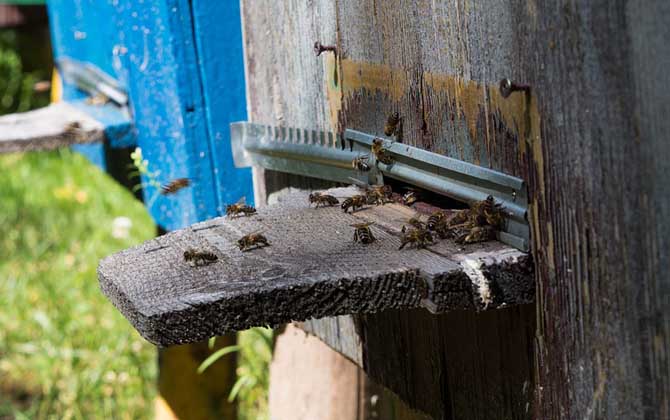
[(46, 129), (312, 269)]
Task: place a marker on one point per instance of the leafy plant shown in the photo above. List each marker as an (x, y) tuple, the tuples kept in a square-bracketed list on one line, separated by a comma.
[(250, 388)]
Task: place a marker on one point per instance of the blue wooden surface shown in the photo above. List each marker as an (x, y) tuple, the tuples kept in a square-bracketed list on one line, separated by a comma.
[(218, 33), (181, 63)]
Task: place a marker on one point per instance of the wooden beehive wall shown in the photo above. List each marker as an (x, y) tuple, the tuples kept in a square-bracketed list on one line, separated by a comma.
[(590, 140)]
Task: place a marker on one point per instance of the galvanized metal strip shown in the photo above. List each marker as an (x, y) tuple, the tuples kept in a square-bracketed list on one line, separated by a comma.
[(320, 157)]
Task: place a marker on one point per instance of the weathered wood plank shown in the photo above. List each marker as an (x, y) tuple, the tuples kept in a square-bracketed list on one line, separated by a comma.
[(312, 269), (48, 128)]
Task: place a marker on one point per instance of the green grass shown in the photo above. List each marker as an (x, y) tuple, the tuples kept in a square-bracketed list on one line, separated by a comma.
[(65, 351)]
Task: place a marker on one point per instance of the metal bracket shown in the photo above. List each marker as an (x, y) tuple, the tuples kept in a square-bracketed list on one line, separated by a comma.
[(329, 156)]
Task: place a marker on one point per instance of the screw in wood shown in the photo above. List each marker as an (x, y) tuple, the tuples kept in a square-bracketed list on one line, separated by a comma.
[(319, 48), (507, 87)]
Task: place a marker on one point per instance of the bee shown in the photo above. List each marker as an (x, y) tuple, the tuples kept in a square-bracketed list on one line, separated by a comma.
[(409, 198), (461, 218), (394, 126), (240, 208), (363, 233), (72, 128), (420, 238), (380, 194), (477, 234), (98, 99), (381, 153), (354, 203), (175, 185), (435, 220), (322, 199), (196, 258), (252, 240), (416, 223), (487, 212), (360, 163)]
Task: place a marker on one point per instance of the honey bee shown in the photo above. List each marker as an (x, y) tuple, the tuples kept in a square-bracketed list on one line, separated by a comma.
[(461, 218), (251, 241), (420, 238), (175, 185), (381, 153), (238, 208), (98, 99), (487, 212), (360, 163), (379, 194), (435, 220), (355, 202), (409, 198), (363, 233), (394, 126), (416, 223), (72, 128), (322, 199), (477, 234), (197, 258)]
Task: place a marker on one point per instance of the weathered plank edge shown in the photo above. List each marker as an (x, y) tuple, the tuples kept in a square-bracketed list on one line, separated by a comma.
[(47, 129), (266, 306)]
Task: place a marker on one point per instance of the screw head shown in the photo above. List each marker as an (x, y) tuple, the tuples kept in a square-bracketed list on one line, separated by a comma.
[(506, 87)]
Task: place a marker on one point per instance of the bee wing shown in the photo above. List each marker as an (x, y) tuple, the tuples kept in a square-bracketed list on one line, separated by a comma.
[(242, 201), (362, 225)]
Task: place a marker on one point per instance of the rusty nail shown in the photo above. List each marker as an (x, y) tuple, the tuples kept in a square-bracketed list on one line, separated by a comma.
[(318, 48), (507, 87)]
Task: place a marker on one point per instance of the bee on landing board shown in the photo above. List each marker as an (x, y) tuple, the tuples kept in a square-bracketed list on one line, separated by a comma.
[(416, 223), (409, 198), (381, 153), (420, 238), (252, 241), (354, 203), (487, 212), (197, 258), (239, 208), (360, 163), (363, 233), (378, 194), (394, 126), (477, 234), (322, 199), (175, 185)]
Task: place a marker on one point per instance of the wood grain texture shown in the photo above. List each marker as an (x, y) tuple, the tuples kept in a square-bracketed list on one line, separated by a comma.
[(46, 129), (591, 140), (312, 269)]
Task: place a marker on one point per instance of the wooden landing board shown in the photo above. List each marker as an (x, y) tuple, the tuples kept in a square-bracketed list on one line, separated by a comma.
[(312, 269), (47, 128)]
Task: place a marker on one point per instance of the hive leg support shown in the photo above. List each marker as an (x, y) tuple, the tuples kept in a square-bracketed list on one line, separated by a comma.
[(185, 394), (309, 380)]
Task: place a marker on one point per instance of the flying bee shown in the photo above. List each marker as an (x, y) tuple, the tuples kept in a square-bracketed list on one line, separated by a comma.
[(360, 163), (381, 153), (379, 194), (394, 126), (435, 220), (322, 199), (363, 233), (420, 238), (252, 240), (355, 202), (175, 185), (197, 258), (477, 234), (240, 207)]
